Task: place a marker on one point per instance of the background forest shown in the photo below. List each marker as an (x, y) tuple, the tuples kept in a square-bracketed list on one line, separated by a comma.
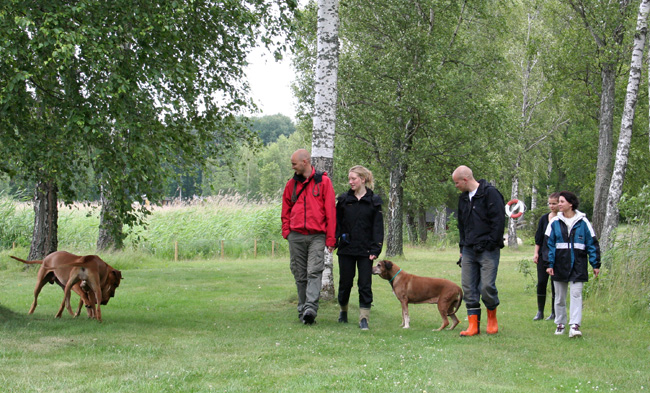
[(128, 106)]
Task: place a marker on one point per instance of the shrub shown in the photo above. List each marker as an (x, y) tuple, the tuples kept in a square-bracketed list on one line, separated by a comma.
[(626, 273)]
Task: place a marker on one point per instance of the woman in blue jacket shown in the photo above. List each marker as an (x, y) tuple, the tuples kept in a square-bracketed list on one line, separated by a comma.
[(572, 245)]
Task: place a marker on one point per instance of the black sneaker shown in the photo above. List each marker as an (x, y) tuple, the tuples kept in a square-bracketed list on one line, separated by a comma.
[(538, 316), (343, 317), (363, 324), (308, 317), (551, 317)]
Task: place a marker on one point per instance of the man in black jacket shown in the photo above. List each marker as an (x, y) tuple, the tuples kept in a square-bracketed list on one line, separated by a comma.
[(481, 221)]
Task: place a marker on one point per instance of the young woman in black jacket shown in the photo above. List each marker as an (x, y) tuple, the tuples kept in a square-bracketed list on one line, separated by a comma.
[(360, 236), (540, 257)]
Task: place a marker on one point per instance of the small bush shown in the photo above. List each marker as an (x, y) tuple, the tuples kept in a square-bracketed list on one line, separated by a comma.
[(626, 266)]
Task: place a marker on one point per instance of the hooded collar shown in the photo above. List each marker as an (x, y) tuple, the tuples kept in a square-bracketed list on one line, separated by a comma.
[(300, 178), (367, 196), (570, 222)]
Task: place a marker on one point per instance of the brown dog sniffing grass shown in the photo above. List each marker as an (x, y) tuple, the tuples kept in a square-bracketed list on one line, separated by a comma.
[(409, 288), (92, 278)]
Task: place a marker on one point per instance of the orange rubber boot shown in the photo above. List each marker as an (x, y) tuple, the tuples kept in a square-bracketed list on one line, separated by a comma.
[(473, 328), (493, 326)]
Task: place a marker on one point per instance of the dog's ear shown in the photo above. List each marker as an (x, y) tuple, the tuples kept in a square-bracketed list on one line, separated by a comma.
[(388, 265), (117, 277)]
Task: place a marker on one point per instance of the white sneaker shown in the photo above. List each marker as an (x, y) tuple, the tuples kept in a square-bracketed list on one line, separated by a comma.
[(575, 331), (559, 330)]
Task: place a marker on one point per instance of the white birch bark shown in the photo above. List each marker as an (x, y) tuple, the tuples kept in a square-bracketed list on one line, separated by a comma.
[(322, 148), (625, 136), (326, 79), (512, 222), (607, 42), (394, 238), (440, 224), (533, 197)]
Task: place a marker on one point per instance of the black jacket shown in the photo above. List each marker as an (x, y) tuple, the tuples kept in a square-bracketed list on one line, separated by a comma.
[(359, 224), (540, 240), (481, 221)]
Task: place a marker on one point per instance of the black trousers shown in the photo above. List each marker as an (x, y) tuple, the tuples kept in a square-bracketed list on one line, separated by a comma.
[(542, 282), (348, 264)]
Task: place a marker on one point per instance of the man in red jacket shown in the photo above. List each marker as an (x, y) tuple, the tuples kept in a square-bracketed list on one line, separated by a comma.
[(309, 224)]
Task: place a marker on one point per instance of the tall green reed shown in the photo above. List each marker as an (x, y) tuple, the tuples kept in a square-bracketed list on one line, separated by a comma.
[(198, 229), (16, 223)]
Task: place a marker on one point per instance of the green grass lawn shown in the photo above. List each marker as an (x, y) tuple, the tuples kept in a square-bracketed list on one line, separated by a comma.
[(231, 326)]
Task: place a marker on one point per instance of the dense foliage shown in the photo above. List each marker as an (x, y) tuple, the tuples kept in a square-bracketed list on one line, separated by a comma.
[(131, 90)]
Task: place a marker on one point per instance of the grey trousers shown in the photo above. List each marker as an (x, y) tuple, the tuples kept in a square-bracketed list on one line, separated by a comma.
[(307, 255), (478, 277), (575, 310)]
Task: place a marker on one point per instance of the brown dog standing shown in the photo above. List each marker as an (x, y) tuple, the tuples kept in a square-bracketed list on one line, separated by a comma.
[(99, 279), (409, 288)]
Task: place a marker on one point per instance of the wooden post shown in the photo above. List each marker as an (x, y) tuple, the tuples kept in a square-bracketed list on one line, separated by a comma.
[(176, 251), (255, 248), (13, 245), (222, 249), (272, 248)]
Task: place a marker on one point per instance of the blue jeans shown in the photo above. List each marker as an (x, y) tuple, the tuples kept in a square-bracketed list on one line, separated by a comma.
[(479, 274)]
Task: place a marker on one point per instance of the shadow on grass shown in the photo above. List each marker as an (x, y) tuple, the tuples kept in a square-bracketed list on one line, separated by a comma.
[(7, 315)]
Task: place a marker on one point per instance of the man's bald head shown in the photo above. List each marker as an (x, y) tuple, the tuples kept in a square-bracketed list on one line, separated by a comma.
[(301, 154), (464, 179), (463, 172), (301, 162)]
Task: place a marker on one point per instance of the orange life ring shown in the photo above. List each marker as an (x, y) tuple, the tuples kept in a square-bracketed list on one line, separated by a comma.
[(519, 207)]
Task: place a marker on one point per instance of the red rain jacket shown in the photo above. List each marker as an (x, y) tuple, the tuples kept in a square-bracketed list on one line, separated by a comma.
[(314, 211)]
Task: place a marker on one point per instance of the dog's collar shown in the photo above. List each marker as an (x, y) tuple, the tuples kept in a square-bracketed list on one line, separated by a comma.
[(398, 272)]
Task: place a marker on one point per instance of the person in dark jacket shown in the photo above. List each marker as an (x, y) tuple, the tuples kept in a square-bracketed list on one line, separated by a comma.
[(309, 225), (572, 245), (481, 221), (540, 258), (360, 235)]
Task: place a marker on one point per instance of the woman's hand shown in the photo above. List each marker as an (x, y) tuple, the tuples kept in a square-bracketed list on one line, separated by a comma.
[(550, 271)]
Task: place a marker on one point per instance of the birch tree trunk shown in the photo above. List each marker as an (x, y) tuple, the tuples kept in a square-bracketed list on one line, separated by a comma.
[(605, 146), (625, 136), (440, 224), (394, 238), (411, 227), (533, 197), (512, 222), (111, 235), (45, 235), (322, 148), (422, 225)]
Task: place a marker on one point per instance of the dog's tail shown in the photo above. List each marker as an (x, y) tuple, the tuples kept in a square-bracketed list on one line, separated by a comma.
[(27, 262), (459, 300)]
